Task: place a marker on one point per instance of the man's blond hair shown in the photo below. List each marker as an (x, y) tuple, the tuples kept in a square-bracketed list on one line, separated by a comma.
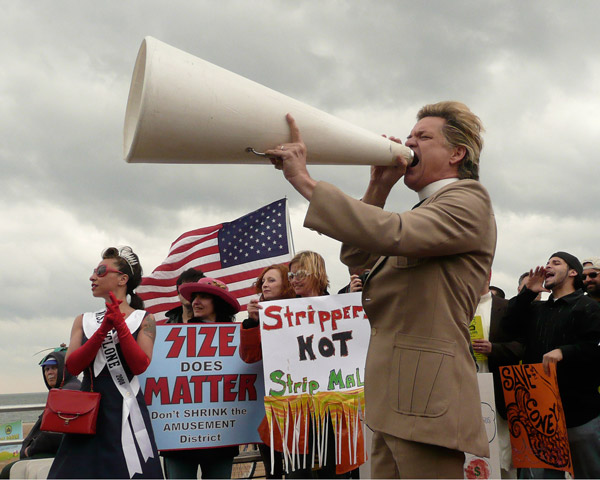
[(462, 129)]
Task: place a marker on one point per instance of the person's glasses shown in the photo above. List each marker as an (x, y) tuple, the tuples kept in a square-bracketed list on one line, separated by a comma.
[(102, 270), (591, 274), (299, 275)]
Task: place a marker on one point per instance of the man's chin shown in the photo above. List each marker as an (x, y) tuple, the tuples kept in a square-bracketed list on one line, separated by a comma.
[(409, 182)]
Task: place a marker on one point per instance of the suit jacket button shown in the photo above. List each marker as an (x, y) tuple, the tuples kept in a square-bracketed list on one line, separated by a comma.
[(373, 331)]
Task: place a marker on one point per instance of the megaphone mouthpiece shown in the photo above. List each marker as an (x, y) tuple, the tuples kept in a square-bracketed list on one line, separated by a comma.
[(414, 159)]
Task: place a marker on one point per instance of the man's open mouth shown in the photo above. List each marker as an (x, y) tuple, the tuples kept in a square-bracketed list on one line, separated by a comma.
[(415, 160)]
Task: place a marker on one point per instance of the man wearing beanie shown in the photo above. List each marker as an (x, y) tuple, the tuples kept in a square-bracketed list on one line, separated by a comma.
[(565, 330), (591, 277)]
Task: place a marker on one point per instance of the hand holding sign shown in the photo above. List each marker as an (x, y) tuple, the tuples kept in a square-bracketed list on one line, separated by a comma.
[(253, 308), (552, 357)]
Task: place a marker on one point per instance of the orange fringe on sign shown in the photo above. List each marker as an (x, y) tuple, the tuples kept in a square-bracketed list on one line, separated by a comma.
[(290, 418)]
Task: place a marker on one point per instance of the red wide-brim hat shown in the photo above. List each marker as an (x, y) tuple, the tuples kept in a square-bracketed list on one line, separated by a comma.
[(211, 286)]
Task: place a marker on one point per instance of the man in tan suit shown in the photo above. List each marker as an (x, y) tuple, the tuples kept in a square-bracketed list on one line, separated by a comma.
[(428, 267)]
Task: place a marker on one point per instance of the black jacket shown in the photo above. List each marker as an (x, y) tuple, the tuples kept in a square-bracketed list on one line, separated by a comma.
[(48, 442), (571, 323), (175, 315)]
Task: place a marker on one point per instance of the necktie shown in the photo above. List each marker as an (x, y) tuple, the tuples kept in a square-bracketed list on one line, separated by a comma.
[(418, 204)]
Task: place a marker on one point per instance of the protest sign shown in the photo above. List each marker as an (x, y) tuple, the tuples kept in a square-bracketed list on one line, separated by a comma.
[(199, 392), (476, 332), (10, 431), (314, 352), (536, 419), (479, 467)]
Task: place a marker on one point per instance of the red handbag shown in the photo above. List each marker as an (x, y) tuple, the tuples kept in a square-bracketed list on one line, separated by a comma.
[(71, 411)]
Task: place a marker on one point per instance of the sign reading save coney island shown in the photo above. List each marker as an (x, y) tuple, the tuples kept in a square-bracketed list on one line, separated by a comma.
[(314, 352), (199, 392), (536, 419)]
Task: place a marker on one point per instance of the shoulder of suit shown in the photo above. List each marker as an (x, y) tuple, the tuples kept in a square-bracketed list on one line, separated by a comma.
[(466, 187), (464, 184)]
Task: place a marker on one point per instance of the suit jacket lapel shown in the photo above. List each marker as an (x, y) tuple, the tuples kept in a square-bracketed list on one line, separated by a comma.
[(376, 267), (382, 260)]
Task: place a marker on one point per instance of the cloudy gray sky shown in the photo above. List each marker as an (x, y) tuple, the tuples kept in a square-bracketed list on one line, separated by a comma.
[(529, 69)]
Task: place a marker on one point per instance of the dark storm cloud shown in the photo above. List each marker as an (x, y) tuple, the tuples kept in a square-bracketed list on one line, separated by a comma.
[(530, 70)]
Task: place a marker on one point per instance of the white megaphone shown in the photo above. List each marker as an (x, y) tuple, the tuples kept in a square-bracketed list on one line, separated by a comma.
[(182, 109)]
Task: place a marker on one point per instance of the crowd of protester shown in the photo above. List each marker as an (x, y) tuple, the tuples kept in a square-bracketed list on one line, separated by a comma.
[(424, 274), (564, 329)]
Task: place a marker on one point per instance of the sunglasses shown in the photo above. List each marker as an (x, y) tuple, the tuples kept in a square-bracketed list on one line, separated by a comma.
[(102, 270), (299, 275), (591, 274)]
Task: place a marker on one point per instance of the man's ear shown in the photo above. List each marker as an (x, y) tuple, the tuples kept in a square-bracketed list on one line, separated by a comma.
[(572, 272), (458, 153)]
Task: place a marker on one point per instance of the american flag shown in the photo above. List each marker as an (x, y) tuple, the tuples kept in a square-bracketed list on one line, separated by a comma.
[(233, 252)]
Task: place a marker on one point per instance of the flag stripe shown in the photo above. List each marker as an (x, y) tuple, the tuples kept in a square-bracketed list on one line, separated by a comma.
[(168, 279), (184, 238), (191, 242), (204, 254), (192, 247), (244, 288)]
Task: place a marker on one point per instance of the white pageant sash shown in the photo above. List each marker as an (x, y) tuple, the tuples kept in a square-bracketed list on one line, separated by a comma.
[(93, 320), (108, 355)]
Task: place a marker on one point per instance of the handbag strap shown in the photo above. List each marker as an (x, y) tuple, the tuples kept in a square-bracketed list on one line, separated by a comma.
[(63, 373), (91, 378), (63, 376)]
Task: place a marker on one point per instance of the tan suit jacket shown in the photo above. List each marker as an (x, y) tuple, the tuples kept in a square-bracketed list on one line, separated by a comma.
[(420, 379)]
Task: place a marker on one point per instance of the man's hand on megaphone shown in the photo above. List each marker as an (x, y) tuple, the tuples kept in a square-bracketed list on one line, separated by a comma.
[(383, 178), (291, 158), (388, 176)]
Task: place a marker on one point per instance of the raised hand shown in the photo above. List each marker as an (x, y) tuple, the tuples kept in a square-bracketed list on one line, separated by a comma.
[(291, 158), (253, 308), (383, 178), (113, 311), (388, 176), (355, 284), (137, 359), (535, 281)]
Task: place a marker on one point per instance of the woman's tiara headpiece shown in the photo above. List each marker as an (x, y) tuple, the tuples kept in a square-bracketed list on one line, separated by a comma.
[(126, 253)]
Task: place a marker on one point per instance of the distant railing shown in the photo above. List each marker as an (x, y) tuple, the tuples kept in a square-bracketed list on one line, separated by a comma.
[(245, 462), (19, 408)]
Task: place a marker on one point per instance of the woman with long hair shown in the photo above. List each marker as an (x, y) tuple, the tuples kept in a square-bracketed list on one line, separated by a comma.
[(211, 303), (271, 284), (112, 346)]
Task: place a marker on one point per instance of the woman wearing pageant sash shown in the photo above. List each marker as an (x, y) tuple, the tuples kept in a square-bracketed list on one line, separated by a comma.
[(112, 346)]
